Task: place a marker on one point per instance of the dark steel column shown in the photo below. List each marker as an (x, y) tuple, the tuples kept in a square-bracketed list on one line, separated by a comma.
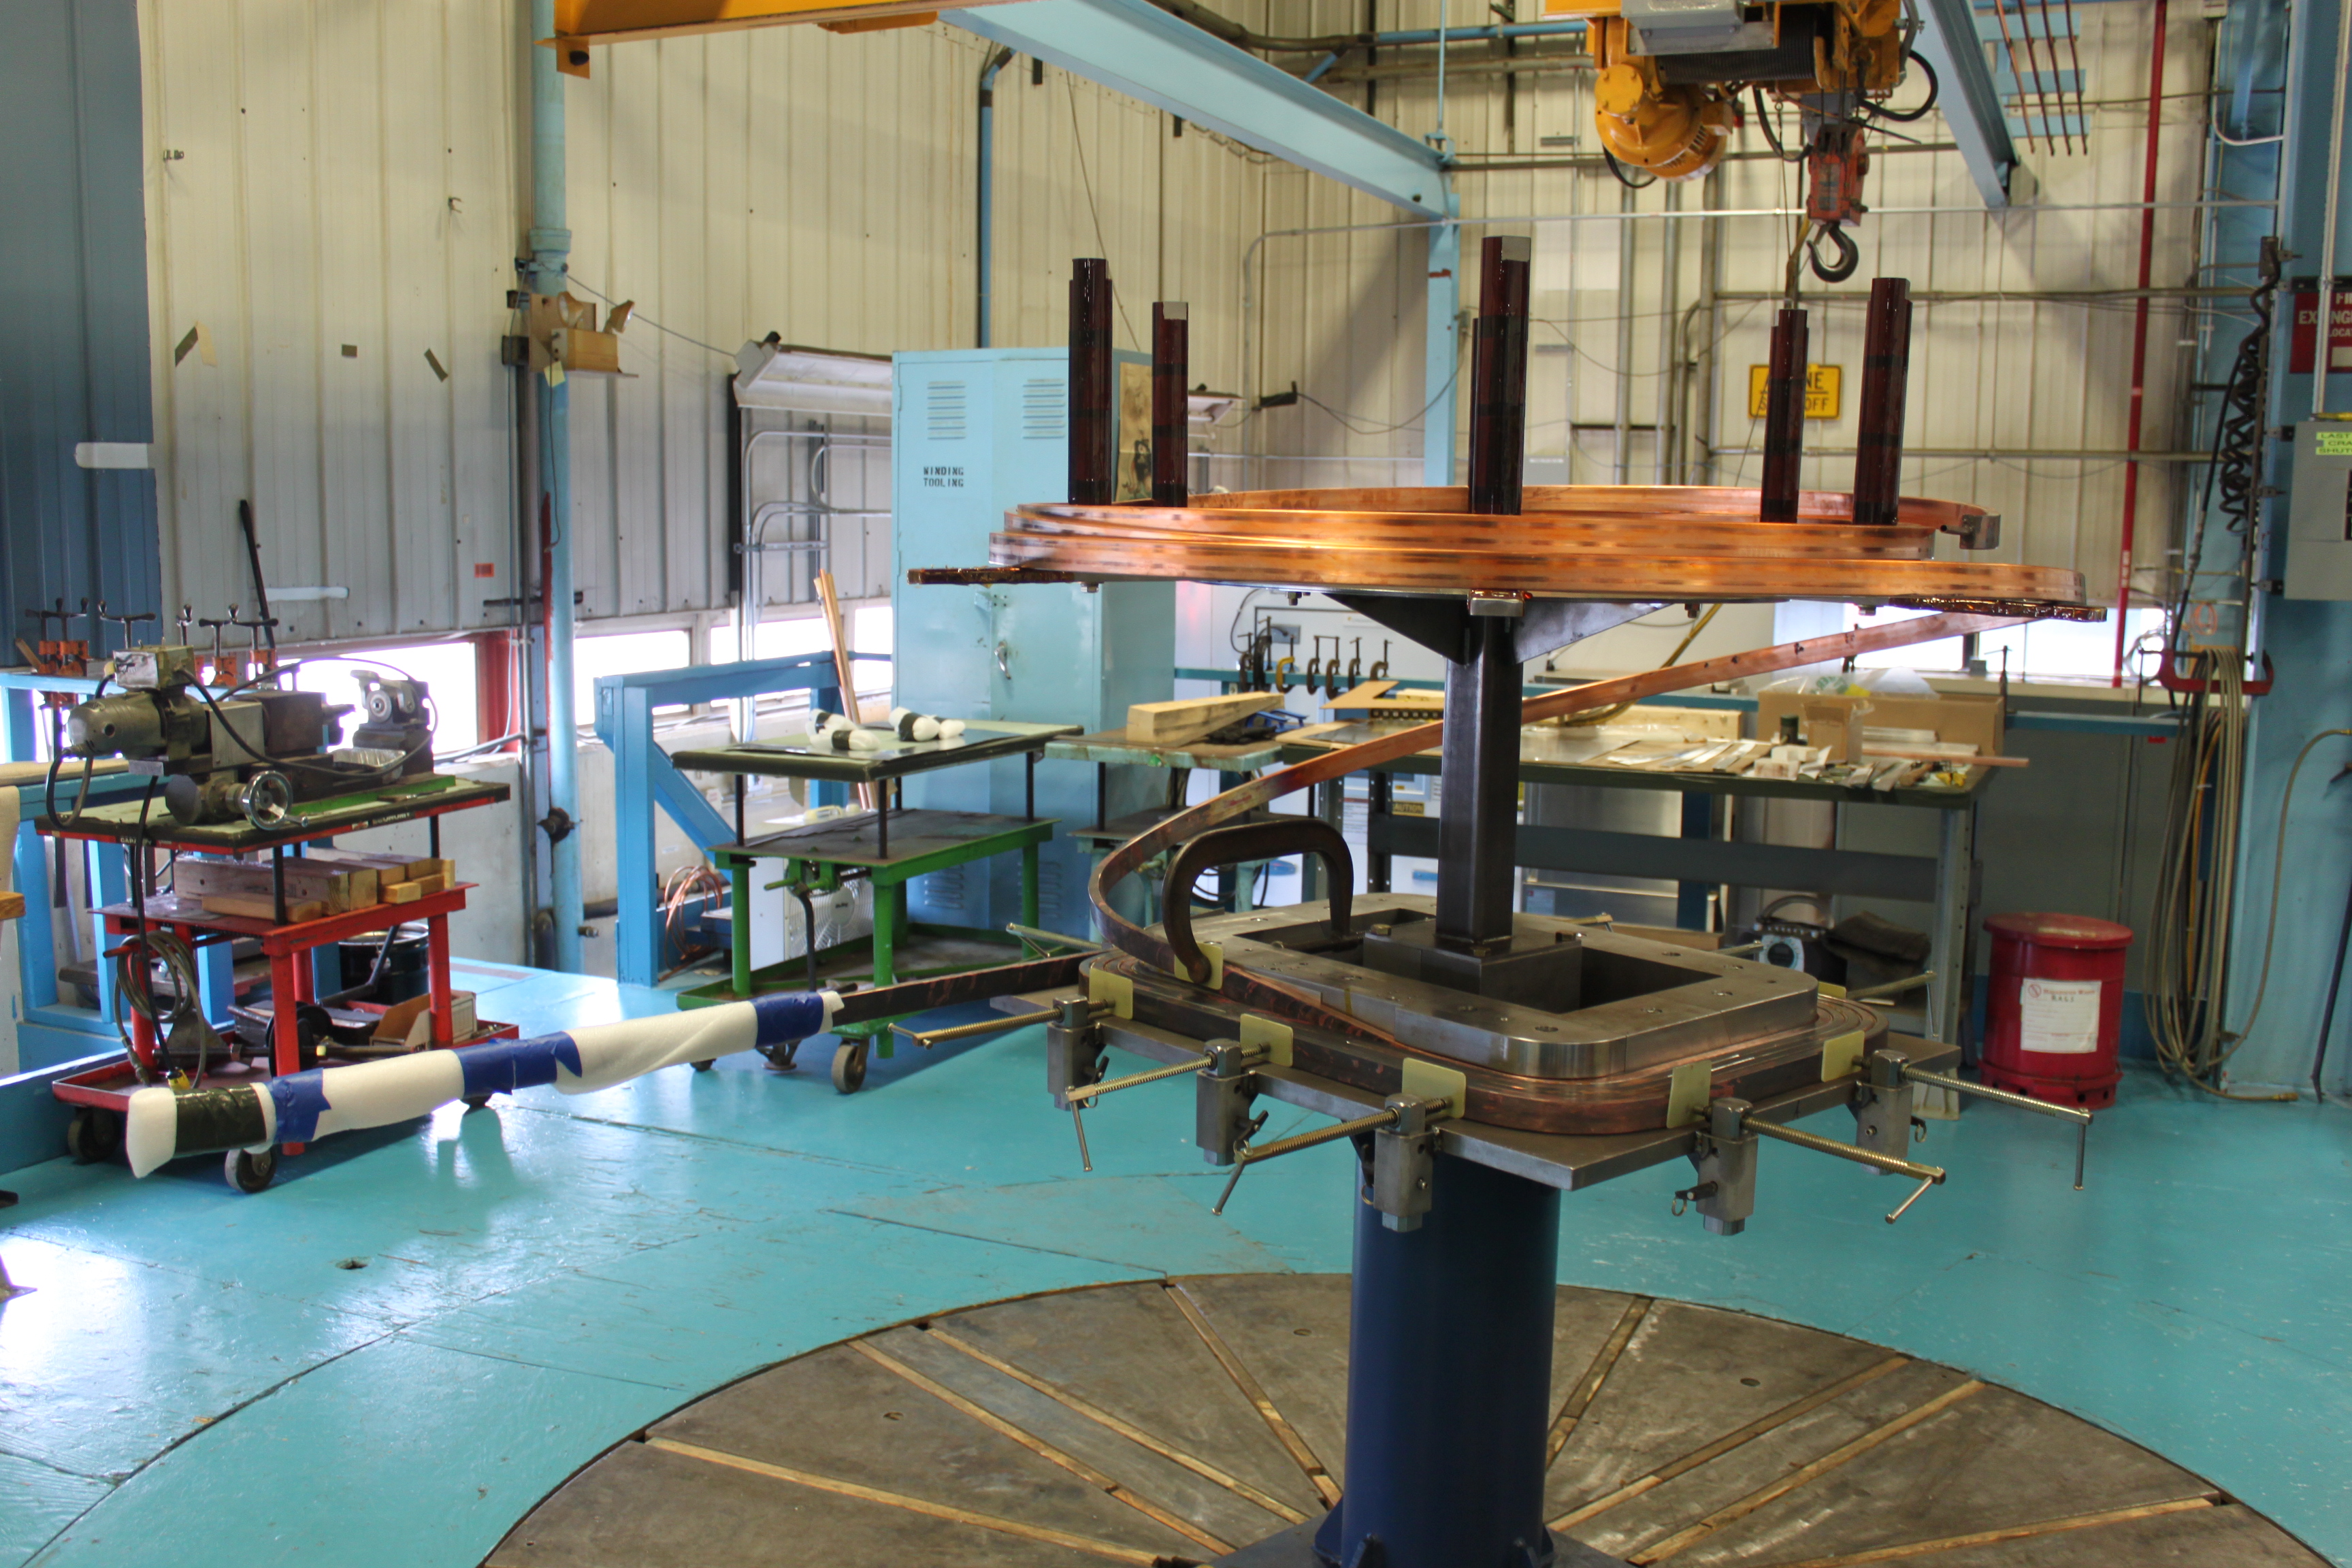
[(1784, 417), (1449, 1378), (1498, 377), (1885, 366), (1171, 428), (1094, 391), (1478, 789)]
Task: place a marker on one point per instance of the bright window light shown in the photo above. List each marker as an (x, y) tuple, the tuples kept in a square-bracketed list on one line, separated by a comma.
[(2039, 651), (869, 632), (445, 668), (623, 653)]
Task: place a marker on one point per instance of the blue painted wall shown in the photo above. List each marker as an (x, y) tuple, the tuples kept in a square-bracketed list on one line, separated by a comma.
[(2309, 642), (73, 337)]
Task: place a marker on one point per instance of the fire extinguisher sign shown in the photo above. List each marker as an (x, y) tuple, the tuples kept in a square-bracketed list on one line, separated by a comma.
[(2303, 351), (2058, 1018)]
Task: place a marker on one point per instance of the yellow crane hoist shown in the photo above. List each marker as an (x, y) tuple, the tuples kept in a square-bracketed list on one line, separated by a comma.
[(1669, 75)]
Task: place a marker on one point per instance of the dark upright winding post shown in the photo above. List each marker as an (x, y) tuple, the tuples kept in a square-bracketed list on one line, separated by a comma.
[(1784, 415), (1093, 397), (1498, 377), (1885, 364), (1170, 354)]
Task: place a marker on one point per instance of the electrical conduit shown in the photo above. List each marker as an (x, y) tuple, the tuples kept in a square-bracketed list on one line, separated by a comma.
[(550, 249)]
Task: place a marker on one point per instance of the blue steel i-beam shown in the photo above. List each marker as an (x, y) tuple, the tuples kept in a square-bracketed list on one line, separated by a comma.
[(1135, 47), (1441, 349), (1449, 1377), (643, 779), (550, 250), (1971, 105)]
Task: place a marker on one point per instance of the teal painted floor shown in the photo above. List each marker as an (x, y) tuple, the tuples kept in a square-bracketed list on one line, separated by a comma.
[(399, 1349)]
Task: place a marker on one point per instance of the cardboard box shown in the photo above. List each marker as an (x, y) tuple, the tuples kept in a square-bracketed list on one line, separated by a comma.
[(1970, 719)]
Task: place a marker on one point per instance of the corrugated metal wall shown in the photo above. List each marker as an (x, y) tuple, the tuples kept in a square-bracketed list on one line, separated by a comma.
[(332, 197), (1340, 314), (73, 339), (349, 200), (346, 200)]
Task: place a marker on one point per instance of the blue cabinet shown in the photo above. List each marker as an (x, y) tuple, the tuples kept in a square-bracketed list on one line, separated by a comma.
[(975, 432)]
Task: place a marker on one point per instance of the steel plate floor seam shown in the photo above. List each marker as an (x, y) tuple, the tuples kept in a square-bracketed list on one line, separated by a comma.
[(2183, 1303)]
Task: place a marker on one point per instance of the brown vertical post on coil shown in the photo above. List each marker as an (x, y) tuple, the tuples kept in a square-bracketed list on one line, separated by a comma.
[(1170, 354), (1885, 364), (1498, 377), (1094, 390), (1784, 415)]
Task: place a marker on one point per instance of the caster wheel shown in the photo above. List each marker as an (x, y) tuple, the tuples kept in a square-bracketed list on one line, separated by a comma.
[(706, 1064), (476, 1102), (849, 1067), (93, 1135), (248, 1172), (782, 1058)]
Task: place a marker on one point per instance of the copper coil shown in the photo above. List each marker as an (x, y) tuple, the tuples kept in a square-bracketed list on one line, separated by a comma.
[(1588, 542)]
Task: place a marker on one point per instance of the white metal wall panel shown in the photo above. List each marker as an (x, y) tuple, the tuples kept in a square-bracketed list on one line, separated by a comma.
[(323, 176), (355, 173), (351, 173), (2007, 375)]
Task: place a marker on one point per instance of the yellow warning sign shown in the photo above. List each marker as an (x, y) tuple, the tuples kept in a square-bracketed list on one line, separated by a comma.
[(1822, 382)]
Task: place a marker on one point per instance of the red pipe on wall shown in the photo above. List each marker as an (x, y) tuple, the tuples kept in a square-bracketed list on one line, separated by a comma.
[(2139, 343)]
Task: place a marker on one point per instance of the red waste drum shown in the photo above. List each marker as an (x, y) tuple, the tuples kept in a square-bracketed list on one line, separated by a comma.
[(2053, 1012)]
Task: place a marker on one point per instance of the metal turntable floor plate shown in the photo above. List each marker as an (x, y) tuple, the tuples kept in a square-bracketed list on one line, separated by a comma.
[(1182, 1422)]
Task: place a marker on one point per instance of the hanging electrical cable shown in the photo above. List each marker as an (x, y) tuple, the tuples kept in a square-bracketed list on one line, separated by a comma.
[(2189, 943)]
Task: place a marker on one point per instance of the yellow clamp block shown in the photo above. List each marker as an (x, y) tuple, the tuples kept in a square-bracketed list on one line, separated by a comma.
[(1687, 1092), (1841, 1055), (1265, 1032), (1424, 1079), (1118, 990)]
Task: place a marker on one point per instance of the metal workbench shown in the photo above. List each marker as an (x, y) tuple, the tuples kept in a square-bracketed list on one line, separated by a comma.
[(887, 847)]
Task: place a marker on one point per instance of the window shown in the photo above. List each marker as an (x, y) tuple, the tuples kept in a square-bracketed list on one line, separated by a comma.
[(445, 668), (870, 630), (623, 653), (2040, 651)]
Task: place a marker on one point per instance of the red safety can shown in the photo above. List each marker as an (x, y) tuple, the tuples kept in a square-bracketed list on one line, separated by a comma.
[(2053, 1012)]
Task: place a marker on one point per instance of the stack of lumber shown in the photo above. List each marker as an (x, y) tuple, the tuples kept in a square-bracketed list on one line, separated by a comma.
[(1188, 720), (321, 883), (400, 878)]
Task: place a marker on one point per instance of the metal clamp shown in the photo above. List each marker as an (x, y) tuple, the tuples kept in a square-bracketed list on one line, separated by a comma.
[(2080, 1118), (1250, 841), (1397, 1109), (1725, 1158), (1221, 1119)]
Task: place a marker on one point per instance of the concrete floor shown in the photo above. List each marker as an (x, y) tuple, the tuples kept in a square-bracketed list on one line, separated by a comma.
[(394, 1354)]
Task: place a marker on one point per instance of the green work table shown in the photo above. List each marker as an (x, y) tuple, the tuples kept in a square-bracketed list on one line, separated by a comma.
[(888, 849)]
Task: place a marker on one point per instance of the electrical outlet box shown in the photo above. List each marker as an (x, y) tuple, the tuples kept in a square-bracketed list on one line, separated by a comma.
[(2319, 511)]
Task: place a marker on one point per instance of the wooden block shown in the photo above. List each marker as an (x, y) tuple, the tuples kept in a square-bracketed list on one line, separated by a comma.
[(1189, 718), (12, 906), (1360, 695), (400, 893), (264, 908), (339, 886), (425, 885), (401, 1017), (402, 866)]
